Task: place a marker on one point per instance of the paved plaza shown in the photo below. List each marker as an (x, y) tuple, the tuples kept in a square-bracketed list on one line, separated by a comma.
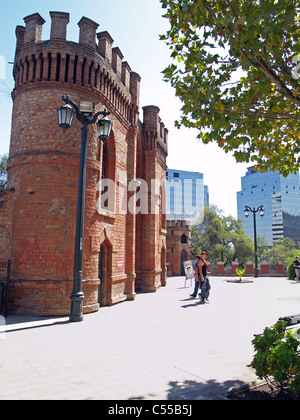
[(162, 346)]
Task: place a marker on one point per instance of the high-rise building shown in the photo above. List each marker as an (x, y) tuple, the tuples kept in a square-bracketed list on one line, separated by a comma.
[(281, 200), (186, 195)]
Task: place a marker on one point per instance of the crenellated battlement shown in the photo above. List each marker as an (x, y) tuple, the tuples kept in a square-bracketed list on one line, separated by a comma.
[(155, 133), (93, 63), (180, 224)]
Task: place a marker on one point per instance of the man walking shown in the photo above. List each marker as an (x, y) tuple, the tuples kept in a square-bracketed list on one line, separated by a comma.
[(204, 283), (296, 265), (197, 280)]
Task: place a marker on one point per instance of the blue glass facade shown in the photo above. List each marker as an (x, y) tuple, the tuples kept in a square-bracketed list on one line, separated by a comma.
[(281, 200), (186, 195)]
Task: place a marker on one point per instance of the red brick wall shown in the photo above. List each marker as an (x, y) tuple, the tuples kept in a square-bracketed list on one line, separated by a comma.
[(6, 207), (151, 229), (43, 169)]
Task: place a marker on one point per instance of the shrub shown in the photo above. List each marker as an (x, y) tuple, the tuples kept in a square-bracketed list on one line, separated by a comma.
[(240, 272), (291, 270), (277, 357)]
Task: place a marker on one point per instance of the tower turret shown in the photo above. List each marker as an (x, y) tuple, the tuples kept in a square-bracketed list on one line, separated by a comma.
[(44, 161)]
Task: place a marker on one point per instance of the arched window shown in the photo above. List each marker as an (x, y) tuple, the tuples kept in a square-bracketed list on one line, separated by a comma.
[(107, 184), (104, 175), (183, 257), (183, 239), (105, 273), (104, 161)]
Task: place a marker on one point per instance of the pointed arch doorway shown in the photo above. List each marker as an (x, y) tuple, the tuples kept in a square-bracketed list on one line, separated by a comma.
[(104, 274), (183, 257), (163, 280)]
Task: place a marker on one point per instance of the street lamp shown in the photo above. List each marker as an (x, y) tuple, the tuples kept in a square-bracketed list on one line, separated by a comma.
[(65, 116), (104, 129), (261, 211), (84, 114)]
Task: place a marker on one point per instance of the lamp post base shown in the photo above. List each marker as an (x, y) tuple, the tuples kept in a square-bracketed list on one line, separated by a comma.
[(76, 314)]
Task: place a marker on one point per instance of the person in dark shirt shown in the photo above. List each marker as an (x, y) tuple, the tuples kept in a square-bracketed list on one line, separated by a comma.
[(203, 272), (297, 268), (197, 280)]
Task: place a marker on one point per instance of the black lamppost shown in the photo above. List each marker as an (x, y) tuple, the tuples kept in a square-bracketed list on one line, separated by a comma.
[(84, 114), (261, 211)]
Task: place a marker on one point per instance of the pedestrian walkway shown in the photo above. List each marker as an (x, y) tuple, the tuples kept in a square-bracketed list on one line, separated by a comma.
[(162, 346)]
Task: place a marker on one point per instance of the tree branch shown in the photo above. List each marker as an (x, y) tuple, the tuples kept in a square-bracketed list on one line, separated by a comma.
[(275, 79)]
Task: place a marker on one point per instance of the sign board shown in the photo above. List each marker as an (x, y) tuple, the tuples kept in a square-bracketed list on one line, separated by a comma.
[(189, 269)]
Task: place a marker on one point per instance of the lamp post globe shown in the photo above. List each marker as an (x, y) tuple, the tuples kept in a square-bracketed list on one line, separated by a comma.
[(104, 129), (247, 212), (65, 116)]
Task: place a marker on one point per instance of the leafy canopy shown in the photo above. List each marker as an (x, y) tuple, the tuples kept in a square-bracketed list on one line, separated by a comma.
[(3, 171), (284, 251), (235, 70), (222, 236)]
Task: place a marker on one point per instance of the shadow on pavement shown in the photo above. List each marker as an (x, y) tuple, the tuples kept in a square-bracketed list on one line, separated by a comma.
[(193, 390)]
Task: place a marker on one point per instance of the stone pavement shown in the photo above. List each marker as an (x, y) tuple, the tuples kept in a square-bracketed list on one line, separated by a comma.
[(162, 346)]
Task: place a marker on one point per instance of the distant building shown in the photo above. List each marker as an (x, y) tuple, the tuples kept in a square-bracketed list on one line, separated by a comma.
[(281, 200), (186, 195)]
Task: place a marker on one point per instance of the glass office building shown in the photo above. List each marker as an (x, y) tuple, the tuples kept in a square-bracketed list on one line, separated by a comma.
[(186, 195), (281, 200)]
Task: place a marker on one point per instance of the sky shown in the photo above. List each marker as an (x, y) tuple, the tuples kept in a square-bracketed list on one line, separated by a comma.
[(135, 26)]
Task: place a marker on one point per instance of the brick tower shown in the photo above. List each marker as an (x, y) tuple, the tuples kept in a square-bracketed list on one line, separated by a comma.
[(152, 272), (43, 166), (178, 246)]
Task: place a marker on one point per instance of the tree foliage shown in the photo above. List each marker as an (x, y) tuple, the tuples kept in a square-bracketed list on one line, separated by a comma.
[(235, 70), (3, 172), (283, 251), (225, 240), (222, 237)]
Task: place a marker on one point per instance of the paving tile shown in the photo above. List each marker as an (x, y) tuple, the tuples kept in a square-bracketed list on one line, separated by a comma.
[(160, 346)]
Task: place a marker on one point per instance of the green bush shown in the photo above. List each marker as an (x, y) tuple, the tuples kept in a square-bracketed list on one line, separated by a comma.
[(240, 272), (277, 357), (291, 270)]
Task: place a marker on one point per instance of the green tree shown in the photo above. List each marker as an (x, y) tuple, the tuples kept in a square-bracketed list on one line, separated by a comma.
[(3, 171), (283, 251), (222, 236), (235, 70), (262, 249), (243, 248)]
